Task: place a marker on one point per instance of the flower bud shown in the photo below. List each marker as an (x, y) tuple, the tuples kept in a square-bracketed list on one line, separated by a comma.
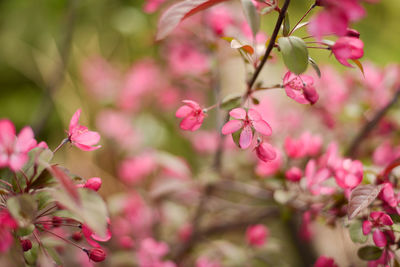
[(56, 221), (26, 244), (265, 152), (294, 174), (310, 94), (352, 33), (96, 254), (77, 236), (256, 235), (93, 183)]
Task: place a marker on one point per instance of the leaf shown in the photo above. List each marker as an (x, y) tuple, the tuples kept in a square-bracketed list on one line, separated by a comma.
[(231, 101), (369, 253), (245, 48), (361, 197), (24, 231), (170, 19), (356, 233), (295, 53), (315, 66), (359, 65), (23, 208), (252, 16), (286, 25), (65, 182)]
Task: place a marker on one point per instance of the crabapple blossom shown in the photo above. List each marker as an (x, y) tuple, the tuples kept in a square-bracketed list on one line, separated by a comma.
[(247, 121), (269, 168), (346, 48), (7, 225), (93, 183), (300, 88), (306, 145), (265, 152), (256, 235), (205, 262), (316, 178), (152, 6), (96, 254), (192, 114), (132, 170), (14, 149), (324, 261), (80, 136), (294, 174), (349, 173), (219, 18), (151, 253), (378, 220), (185, 58), (92, 237)]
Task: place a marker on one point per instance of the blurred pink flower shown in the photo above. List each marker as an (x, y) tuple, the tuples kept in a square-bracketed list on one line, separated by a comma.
[(14, 149), (264, 169), (346, 48), (135, 169), (184, 58), (205, 141), (384, 259), (219, 18), (256, 235), (246, 121), (324, 261), (349, 173), (306, 145), (91, 237), (316, 179), (205, 262), (7, 225), (151, 253), (300, 88), (152, 6), (378, 220), (294, 174), (185, 232), (80, 136), (192, 114), (265, 152), (93, 184)]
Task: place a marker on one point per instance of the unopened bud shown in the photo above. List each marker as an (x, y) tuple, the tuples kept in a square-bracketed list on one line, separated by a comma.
[(96, 254), (26, 244)]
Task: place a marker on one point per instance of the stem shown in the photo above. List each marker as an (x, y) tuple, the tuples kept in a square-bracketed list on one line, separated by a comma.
[(370, 125), (318, 47), (63, 142), (62, 238), (308, 11), (46, 211), (17, 182)]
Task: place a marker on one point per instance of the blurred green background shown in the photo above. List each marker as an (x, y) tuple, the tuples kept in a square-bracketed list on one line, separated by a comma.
[(31, 34)]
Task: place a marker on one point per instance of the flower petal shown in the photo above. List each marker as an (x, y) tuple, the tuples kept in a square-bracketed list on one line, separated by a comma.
[(183, 111), (238, 113), (88, 138), (74, 120), (366, 227), (262, 127), (7, 132), (231, 126), (246, 136), (254, 115), (379, 238), (25, 140)]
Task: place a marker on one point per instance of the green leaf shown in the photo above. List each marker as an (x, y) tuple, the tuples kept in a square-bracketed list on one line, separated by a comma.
[(24, 231), (369, 253), (395, 218), (39, 159), (43, 199), (23, 208), (252, 16), (236, 138), (231, 101), (295, 53), (356, 233), (32, 254), (315, 66), (286, 25)]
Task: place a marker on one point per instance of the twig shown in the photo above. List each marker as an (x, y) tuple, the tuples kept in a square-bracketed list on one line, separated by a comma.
[(370, 125), (44, 110)]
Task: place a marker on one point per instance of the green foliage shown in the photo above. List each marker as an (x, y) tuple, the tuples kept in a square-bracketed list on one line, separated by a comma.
[(23, 208), (356, 233), (295, 53), (369, 253)]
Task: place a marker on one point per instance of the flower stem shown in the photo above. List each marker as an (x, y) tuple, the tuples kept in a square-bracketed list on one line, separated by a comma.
[(62, 238), (308, 11), (63, 142)]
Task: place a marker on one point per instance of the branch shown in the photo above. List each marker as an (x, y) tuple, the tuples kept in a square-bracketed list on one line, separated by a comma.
[(369, 126)]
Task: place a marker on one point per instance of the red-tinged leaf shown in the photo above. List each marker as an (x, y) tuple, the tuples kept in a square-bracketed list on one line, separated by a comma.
[(65, 182), (359, 65), (246, 48), (361, 197), (180, 11)]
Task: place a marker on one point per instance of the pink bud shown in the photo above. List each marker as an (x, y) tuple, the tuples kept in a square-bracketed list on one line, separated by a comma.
[(93, 183), (366, 227), (256, 235), (352, 33), (325, 262), (96, 254), (56, 221), (294, 174), (77, 236), (26, 244), (265, 152)]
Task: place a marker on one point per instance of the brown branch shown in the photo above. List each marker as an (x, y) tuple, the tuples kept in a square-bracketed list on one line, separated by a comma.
[(45, 108), (370, 125)]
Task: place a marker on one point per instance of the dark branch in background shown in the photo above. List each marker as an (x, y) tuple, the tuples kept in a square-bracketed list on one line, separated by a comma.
[(46, 106), (370, 125), (185, 248)]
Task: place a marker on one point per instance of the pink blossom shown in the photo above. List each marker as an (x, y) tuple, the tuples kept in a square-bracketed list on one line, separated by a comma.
[(7, 224), (256, 235), (323, 261), (205, 141), (384, 260), (205, 262), (93, 184), (265, 152), (152, 6), (80, 136), (246, 121), (300, 88), (349, 173), (134, 169), (151, 253), (306, 145), (346, 48), (184, 58), (192, 114), (316, 179), (185, 232), (14, 149), (269, 168), (378, 220), (91, 237), (219, 18), (294, 174)]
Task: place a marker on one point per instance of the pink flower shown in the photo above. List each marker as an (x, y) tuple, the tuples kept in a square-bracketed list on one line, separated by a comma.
[(300, 88), (294, 174), (185, 58), (14, 149), (93, 184), (246, 121), (92, 237), (265, 152), (325, 262), (384, 260), (151, 252), (205, 142), (378, 220), (152, 6), (192, 114), (7, 224), (80, 136), (135, 169), (185, 232), (205, 262), (346, 48), (218, 19), (256, 235), (306, 145), (316, 179), (271, 167), (349, 173)]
